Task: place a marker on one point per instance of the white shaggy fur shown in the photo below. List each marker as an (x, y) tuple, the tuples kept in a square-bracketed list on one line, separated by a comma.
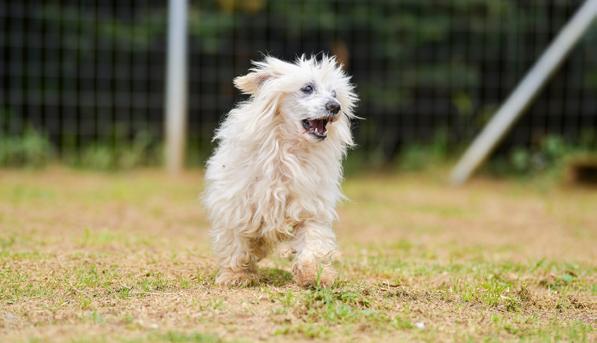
[(270, 180)]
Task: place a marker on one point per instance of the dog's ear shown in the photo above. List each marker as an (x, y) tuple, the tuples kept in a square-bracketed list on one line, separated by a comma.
[(269, 68), (251, 82)]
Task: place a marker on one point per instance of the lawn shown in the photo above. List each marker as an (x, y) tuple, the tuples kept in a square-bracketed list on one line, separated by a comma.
[(94, 257)]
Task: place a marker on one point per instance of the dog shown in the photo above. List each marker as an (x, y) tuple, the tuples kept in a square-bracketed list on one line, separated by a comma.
[(276, 172)]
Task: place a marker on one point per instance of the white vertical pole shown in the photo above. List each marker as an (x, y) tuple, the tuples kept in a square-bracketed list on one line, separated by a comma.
[(524, 92), (176, 86)]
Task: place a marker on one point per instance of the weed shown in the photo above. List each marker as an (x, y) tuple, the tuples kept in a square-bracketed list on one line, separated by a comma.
[(178, 337), (308, 330), (402, 323)]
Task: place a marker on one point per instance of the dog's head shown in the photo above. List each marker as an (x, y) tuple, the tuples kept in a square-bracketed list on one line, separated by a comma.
[(313, 99)]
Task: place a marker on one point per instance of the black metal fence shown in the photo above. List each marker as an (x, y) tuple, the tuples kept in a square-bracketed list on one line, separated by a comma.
[(90, 72)]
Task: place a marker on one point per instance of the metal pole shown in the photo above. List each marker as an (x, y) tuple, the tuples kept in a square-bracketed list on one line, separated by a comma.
[(526, 90), (176, 86)]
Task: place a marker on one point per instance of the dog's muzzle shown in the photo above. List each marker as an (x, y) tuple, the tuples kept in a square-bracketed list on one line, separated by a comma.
[(317, 127)]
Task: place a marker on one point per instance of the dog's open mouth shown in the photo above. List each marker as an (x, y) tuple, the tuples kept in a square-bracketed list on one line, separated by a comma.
[(316, 127)]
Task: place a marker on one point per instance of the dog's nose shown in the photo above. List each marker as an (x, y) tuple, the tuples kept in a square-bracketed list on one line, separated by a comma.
[(332, 107)]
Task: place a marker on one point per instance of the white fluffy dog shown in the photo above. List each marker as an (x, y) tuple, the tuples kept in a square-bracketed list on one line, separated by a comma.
[(275, 175)]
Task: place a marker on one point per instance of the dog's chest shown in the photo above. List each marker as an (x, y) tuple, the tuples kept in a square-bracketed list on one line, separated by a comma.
[(291, 190), (280, 198)]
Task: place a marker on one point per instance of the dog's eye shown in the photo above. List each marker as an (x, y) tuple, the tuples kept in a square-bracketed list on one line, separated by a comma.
[(334, 94), (308, 89)]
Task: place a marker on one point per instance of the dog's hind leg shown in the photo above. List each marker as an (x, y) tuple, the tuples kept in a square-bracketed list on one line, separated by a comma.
[(315, 244)]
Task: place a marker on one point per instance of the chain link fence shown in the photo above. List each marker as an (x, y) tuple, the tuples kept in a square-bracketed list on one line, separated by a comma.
[(86, 73)]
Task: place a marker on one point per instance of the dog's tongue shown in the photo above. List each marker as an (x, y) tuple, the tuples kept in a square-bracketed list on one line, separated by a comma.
[(319, 125)]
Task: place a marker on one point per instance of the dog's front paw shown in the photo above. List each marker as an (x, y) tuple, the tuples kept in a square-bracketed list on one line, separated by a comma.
[(309, 274), (238, 278)]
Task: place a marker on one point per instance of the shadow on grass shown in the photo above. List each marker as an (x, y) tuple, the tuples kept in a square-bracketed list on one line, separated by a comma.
[(274, 277)]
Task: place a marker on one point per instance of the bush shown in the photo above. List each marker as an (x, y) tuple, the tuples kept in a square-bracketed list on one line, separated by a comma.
[(548, 155), (121, 155), (32, 149), (415, 157)]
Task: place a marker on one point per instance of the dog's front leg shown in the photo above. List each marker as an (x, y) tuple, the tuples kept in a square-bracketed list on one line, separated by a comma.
[(237, 258), (315, 246)]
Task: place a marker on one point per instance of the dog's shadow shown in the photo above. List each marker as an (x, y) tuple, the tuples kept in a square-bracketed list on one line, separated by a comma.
[(274, 277)]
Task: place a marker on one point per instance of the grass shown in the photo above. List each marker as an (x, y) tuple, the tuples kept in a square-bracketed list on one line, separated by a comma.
[(125, 257)]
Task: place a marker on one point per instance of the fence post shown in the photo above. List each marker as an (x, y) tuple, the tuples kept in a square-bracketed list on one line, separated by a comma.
[(526, 90), (176, 86)]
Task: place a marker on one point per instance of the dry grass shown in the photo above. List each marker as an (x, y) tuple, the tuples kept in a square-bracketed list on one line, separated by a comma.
[(125, 257)]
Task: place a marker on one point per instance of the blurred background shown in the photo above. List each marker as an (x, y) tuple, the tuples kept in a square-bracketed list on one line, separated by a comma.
[(92, 255), (83, 82)]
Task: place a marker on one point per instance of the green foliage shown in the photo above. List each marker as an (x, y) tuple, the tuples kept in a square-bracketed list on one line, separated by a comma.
[(143, 150), (79, 31), (548, 155), (101, 157), (209, 28), (31, 149), (419, 47), (416, 157)]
